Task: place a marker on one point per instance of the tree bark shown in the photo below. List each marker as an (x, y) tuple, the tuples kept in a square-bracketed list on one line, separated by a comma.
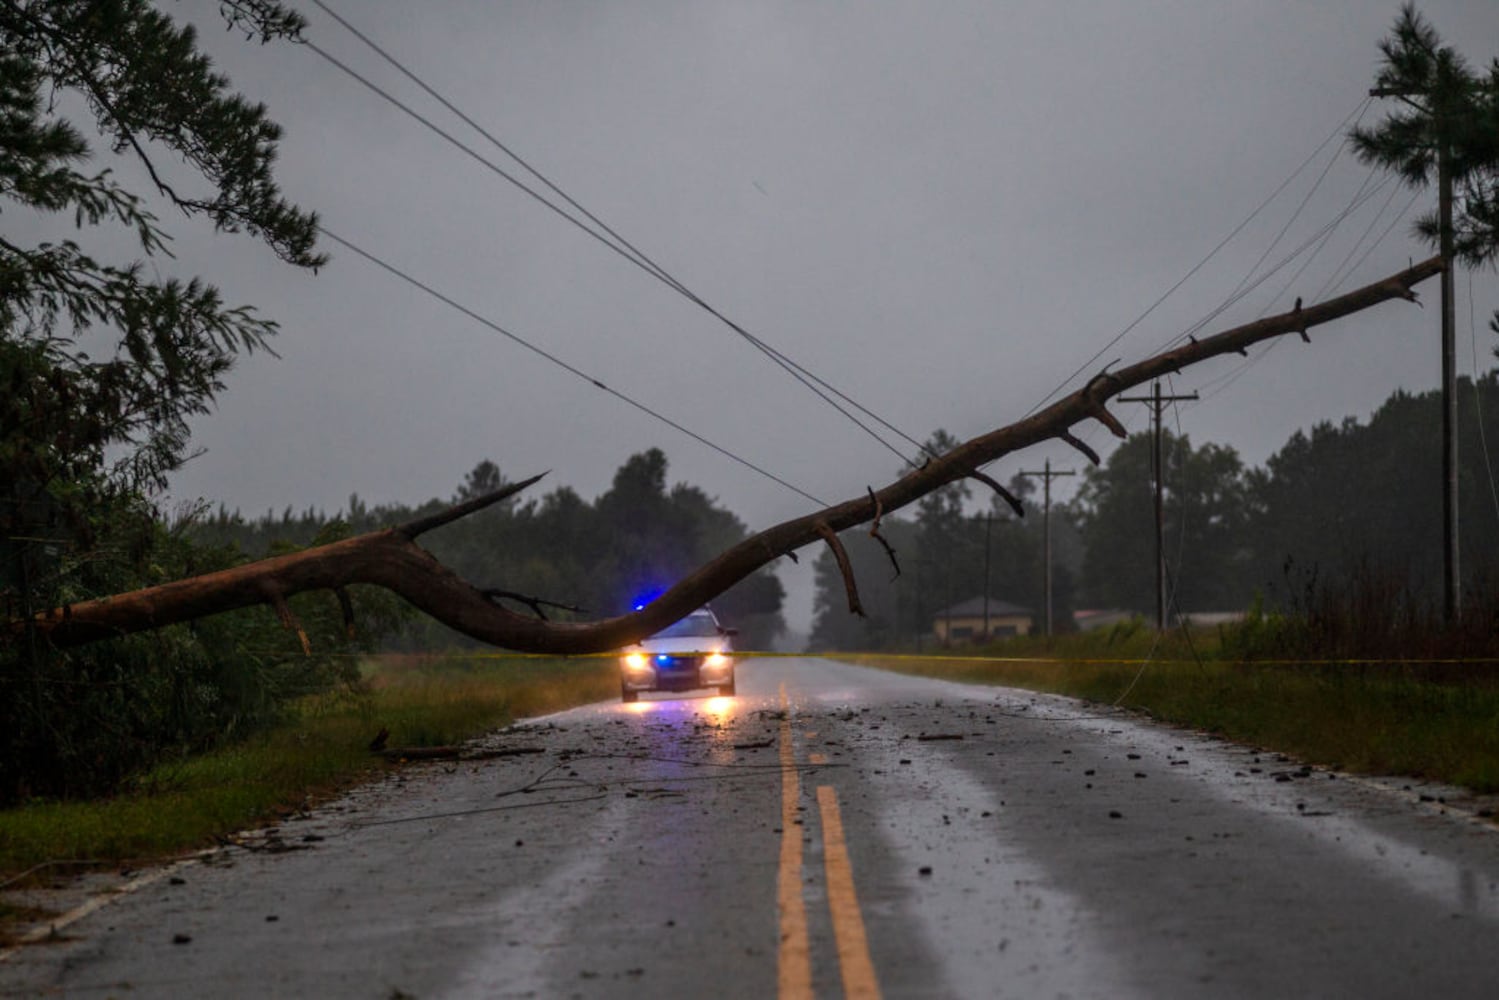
[(391, 558)]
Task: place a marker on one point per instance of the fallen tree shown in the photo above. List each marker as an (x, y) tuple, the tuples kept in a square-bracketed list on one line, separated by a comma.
[(391, 558)]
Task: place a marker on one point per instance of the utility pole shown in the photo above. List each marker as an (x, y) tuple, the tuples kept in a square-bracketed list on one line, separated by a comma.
[(988, 529), (1047, 475), (1451, 573), (1157, 403)]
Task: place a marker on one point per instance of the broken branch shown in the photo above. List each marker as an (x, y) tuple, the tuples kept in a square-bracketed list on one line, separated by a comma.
[(534, 603), (1004, 494), (392, 560), (411, 529), (1080, 445), (874, 532), (844, 567), (288, 619)]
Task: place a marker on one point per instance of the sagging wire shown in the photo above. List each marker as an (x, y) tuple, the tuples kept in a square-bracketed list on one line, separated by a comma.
[(1359, 199), (1393, 222), (1224, 381), (614, 241), (1356, 113), (1315, 242), (564, 365), (1338, 276), (1239, 289)]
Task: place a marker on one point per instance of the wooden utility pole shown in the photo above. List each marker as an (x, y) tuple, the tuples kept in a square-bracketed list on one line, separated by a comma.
[(1157, 403), (1047, 475), (988, 531), (1451, 571)]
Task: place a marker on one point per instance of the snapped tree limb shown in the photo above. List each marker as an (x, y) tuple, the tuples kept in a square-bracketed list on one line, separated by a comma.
[(392, 559)]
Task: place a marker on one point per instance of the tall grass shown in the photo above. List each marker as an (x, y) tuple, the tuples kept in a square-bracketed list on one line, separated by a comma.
[(1363, 721), (1358, 673), (321, 748), (1374, 614)]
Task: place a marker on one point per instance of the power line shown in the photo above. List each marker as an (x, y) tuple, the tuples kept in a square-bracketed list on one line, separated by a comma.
[(1224, 381), (1337, 276), (1239, 289), (1301, 206), (1317, 239), (1320, 243), (554, 359), (1243, 290), (1393, 222), (623, 247), (1203, 262)]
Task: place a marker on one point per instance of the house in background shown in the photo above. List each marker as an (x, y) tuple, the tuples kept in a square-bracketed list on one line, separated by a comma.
[(964, 622)]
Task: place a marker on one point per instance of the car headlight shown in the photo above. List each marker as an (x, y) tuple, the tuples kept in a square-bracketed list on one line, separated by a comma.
[(635, 661), (716, 660)]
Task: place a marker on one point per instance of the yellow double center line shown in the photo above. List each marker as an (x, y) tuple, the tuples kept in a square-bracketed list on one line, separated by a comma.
[(794, 963)]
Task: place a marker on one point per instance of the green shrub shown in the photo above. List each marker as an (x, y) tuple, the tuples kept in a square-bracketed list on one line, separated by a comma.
[(78, 722)]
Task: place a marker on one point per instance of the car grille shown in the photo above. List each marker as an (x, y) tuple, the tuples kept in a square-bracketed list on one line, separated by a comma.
[(676, 664)]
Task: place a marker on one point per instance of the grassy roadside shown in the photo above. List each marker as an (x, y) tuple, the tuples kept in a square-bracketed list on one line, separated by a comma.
[(321, 748), (1372, 719)]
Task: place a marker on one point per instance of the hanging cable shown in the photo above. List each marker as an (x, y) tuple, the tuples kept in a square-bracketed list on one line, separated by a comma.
[(1203, 262), (1224, 381), (1317, 240), (565, 366), (1386, 232), (1337, 153), (1336, 278), (1240, 290), (1321, 244), (614, 241)]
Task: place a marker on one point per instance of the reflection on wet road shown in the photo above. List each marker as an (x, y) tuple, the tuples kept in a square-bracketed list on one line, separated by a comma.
[(832, 831)]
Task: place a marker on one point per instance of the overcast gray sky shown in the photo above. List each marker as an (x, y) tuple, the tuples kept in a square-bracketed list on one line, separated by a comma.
[(941, 208)]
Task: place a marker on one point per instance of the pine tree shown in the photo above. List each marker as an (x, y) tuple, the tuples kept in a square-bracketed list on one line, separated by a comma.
[(83, 428), (102, 365), (1443, 103)]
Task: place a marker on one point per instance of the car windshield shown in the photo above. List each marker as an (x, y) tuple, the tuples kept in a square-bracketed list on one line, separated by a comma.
[(692, 627)]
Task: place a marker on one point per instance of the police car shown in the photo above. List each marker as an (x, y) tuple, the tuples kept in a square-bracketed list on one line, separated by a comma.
[(692, 653)]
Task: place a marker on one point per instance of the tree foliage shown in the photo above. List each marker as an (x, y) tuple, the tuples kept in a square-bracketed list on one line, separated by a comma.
[(1367, 494), (118, 422), (1206, 510), (603, 556), (104, 361), (1343, 502), (1443, 105)]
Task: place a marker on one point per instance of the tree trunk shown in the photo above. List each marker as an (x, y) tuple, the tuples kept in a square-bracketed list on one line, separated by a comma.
[(392, 559)]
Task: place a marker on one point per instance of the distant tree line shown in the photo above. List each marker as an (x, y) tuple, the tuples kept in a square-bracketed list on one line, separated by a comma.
[(1344, 498), (600, 557)]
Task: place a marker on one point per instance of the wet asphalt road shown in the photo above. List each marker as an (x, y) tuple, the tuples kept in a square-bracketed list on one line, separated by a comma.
[(831, 831)]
